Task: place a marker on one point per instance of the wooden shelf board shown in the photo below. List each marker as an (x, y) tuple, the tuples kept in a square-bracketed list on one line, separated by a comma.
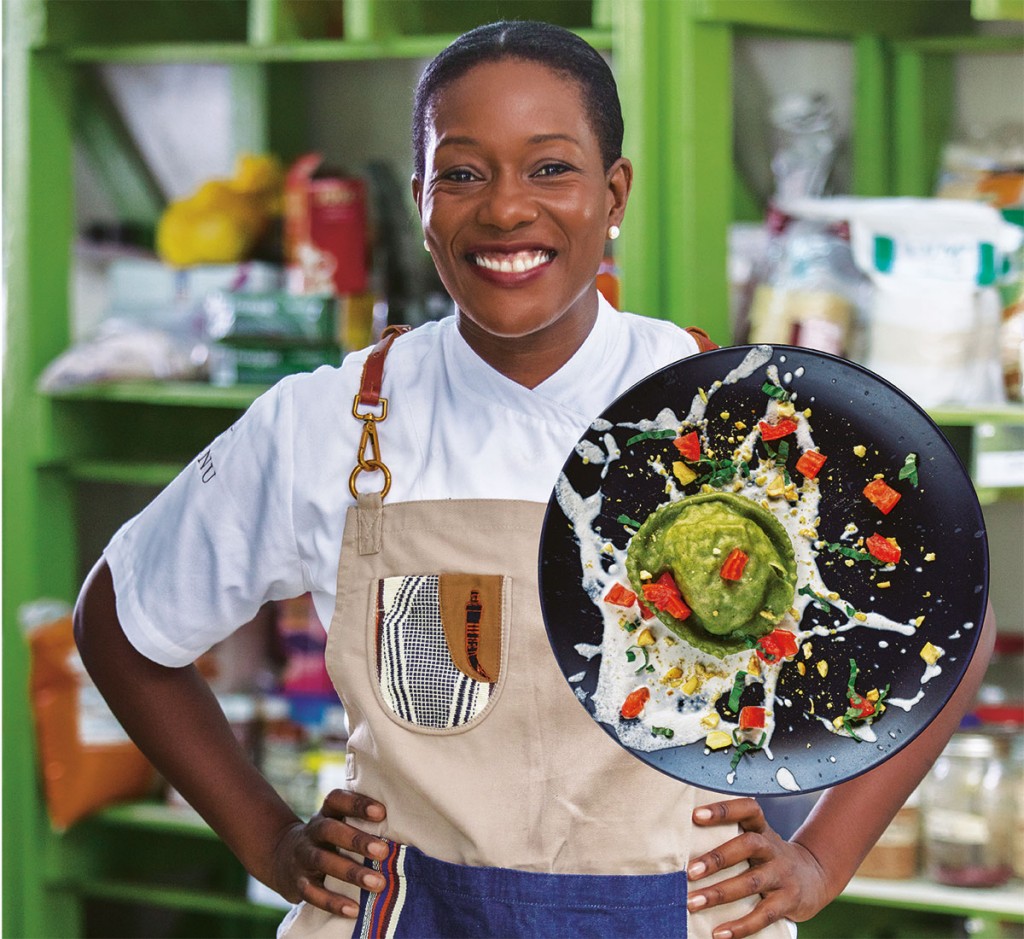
[(310, 50), (179, 898), (920, 894), (173, 393), (956, 416)]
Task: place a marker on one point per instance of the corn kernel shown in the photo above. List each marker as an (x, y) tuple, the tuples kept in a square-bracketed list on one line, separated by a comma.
[(710, 720), (822, 667), (646, 638), (682, 472), (690, 685), (860, 450), (673, 674), (931, 654), (717, 739)]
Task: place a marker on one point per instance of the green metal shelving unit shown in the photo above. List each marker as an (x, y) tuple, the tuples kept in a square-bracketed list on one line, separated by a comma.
[(674, 61)]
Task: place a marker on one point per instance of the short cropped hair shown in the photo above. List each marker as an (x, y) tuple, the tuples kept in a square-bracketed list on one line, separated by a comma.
[(557, 48)]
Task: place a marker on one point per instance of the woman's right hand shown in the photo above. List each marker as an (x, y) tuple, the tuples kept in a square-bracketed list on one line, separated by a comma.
[(308, 852)]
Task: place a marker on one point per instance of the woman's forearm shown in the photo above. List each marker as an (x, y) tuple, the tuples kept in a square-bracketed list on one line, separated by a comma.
[(175, 719), (848, 819)]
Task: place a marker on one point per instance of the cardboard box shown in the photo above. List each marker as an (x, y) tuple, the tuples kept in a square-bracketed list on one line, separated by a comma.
[(325, 230), (258, 318), (243, 365)]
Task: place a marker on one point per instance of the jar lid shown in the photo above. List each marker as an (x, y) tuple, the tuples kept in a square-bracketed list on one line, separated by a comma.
[(238, 708), (971, 745)]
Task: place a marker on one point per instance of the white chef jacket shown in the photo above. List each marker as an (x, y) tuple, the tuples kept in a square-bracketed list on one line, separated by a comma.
[(259, 515)]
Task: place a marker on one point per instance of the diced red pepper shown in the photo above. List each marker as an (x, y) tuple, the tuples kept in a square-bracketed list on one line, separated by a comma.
[(810, 463), (778, 644), (752, 718), (635, 702), (777, 431), (888, 552), (620, 596), (862, 705), (689, 446), (664, 594), (734, 564), (645, 611), (882, 495)]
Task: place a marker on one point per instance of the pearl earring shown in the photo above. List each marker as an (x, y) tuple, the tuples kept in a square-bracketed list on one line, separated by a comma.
[(613, 232), (426, 247)]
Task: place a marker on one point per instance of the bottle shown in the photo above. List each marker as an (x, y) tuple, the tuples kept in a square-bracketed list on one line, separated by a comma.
[(608, 280), (282, 745), (968, 813), (331, 762)]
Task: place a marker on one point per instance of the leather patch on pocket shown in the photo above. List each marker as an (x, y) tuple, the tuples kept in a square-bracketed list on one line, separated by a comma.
[(471, 616)]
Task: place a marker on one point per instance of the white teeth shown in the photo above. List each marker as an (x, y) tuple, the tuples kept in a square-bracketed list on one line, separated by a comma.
[(518, 263)]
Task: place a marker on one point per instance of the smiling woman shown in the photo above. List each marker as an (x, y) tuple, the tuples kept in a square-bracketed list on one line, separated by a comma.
[(480, 798), (516, 204)]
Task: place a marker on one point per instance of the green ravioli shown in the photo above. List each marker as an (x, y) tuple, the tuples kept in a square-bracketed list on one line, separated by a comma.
[(681, 537)]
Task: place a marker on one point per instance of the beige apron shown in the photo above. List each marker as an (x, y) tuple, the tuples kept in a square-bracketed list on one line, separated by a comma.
[(522, 777)]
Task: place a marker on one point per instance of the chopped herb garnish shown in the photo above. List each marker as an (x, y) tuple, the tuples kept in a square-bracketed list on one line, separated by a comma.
[(819, 601), (737, 689), (743, 748), (667, 732), (626, 520), (909, 469), (652, 435), (631, 657), (848, 552), (776, 392), (863, 709), (716, 473)]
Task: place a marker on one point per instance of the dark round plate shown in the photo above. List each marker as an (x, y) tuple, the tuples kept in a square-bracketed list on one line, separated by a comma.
[(942, 577)]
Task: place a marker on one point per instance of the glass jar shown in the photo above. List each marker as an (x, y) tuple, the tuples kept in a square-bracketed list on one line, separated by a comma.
[(968, 813), (1017, 785)]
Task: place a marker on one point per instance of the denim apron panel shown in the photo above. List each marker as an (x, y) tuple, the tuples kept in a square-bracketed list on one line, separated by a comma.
[(430, 899)]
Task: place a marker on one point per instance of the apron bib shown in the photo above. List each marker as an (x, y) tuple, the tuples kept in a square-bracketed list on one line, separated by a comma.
[(509, 811)]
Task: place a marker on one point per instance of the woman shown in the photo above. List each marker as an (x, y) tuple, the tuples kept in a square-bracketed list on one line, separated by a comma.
[(515, 814)]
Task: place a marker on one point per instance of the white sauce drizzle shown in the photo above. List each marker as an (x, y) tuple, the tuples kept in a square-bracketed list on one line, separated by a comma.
[(787, 780)]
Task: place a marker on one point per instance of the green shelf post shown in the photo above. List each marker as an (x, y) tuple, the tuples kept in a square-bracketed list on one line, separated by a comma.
[(37, 517), (872, 139), (679, 136), (923, 89)]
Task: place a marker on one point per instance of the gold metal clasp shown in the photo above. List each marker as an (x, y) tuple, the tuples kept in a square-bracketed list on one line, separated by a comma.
[(369, 456)]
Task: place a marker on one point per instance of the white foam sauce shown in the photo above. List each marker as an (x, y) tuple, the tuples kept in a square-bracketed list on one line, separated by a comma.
[(690, 716), (787, 780)]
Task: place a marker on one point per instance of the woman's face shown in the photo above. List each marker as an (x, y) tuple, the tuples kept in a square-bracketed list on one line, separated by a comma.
[(515, 201)]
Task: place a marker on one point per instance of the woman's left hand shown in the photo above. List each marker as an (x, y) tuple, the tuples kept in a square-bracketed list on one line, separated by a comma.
[(786, 876)]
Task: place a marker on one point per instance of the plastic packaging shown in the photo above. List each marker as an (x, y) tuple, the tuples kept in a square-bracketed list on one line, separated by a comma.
[(810, 290), (86, 760)]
